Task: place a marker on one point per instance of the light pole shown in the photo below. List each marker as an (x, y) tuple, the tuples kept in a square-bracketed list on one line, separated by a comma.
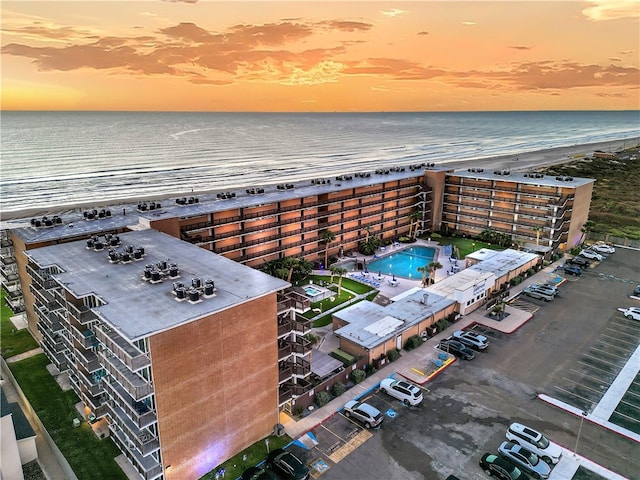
[(583, 414)]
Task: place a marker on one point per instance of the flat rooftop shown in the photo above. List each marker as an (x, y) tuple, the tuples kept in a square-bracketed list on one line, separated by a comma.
[(523, 177), (500, 263), (370, 324), (139, 308), (75, 224)]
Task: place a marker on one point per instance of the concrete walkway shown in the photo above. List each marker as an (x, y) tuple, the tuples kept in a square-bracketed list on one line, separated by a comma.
[(22, 356)]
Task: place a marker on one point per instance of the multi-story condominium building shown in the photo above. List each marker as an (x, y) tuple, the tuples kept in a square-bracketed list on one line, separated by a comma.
[(9, 273), (528, 207), (169, 342), (146, 355)]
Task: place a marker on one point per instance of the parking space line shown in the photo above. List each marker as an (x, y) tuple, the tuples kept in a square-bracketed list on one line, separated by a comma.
[(333, 433), (583, 385), (603, 361), (591, 402), (604, 351), (596, 380), (596, 368), (617, 344), (620, 340), (627, 417), (632, 405), (350, 446), (632, 335)]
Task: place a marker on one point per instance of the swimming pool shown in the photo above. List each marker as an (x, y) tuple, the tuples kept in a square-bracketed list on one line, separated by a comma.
[(403, 263), (312, 291)]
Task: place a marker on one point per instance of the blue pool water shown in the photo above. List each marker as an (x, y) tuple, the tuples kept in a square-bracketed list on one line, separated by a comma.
[(403, 263)]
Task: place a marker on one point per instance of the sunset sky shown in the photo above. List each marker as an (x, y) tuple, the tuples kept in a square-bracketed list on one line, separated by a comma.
[(203, 55)]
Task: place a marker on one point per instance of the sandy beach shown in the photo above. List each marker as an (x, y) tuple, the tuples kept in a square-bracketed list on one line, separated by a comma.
[(520, 162)]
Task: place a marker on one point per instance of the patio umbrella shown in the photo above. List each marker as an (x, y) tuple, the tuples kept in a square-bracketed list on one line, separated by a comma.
[(394, 277)]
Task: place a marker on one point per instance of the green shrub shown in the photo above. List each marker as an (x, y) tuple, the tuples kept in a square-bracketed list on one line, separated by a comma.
[(442, 324), (357, 376), (412, 342), (322, 398), (338, 389), (393, 355)]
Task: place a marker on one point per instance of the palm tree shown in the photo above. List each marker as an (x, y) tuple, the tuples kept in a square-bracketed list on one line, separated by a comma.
[(334, 271), (538, 229), (303, 268), (341, 272), (289, 263), (367, 230), (413, 216), (432, 267), (326, 237), (586, 228), (423, 270)]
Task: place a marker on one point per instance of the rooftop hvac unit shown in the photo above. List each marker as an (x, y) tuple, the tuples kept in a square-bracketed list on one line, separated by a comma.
[(194, 295), (181, 293)]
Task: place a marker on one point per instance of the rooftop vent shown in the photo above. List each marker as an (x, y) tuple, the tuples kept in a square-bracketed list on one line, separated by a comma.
[(225, 195), (160, 271), (144, 206), (382, 171), (320, 181), (285, 186), (187, 201), (255, 191), (196, 292), (46, 221)]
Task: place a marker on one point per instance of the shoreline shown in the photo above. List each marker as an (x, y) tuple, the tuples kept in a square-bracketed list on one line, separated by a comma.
[(516, 162)]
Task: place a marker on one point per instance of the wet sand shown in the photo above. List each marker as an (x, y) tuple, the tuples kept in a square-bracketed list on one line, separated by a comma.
[(519, 162)]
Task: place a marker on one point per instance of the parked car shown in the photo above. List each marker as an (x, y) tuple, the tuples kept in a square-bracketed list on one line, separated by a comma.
[(525, 459), (287, 465), (579, 261), (534, 292), (603, 248), (258, 473), (591, 255), (409, 393), (456, 348), (471, 339), (636, 291), (572, 270), (501, 468), (369, 415), (534, 441), (632, 313), (546, 287)]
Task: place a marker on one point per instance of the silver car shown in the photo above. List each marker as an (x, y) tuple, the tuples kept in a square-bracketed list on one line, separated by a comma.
[(369, 415), (471, 339), (525, 459), (534, 292)]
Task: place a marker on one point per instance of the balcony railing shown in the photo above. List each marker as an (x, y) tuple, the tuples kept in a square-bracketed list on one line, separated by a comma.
[(88, 360), (143, 440), (148, 467), (137, 386), (82, 314), (131, 356), (138, 412)]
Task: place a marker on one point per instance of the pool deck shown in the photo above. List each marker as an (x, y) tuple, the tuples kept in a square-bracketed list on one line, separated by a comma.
[(388, 290)]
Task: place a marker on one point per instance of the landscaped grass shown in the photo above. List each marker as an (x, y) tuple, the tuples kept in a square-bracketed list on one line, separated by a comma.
[(465, 245), (255, 454), (90, 458), (14, 341)]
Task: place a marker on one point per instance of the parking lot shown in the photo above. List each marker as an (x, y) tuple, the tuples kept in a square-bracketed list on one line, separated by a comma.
[(572, 349)]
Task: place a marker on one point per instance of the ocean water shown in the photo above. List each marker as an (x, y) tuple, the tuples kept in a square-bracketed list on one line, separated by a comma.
[(53, 159)]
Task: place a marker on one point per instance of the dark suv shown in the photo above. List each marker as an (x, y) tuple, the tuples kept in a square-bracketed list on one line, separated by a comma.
[(287, 465), (457, 349), (579, 261)]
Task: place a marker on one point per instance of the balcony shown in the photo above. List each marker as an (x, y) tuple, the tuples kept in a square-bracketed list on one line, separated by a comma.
[(142, 439), (147, 466), (137, 386), (82, 314), (131, 356), (284, 351), (284, 374), (88, 360), (86, 338), (138, 412), (91, 383)]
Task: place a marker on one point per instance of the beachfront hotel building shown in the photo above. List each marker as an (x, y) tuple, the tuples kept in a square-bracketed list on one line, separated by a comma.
[(154, 365), (164, 340)]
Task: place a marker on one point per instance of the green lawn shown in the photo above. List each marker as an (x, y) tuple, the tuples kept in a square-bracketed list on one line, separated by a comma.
[(465, 246), (90, 457), (14, 341), (254, 455)]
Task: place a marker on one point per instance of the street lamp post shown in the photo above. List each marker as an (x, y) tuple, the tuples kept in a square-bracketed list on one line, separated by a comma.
[(583, 414)]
